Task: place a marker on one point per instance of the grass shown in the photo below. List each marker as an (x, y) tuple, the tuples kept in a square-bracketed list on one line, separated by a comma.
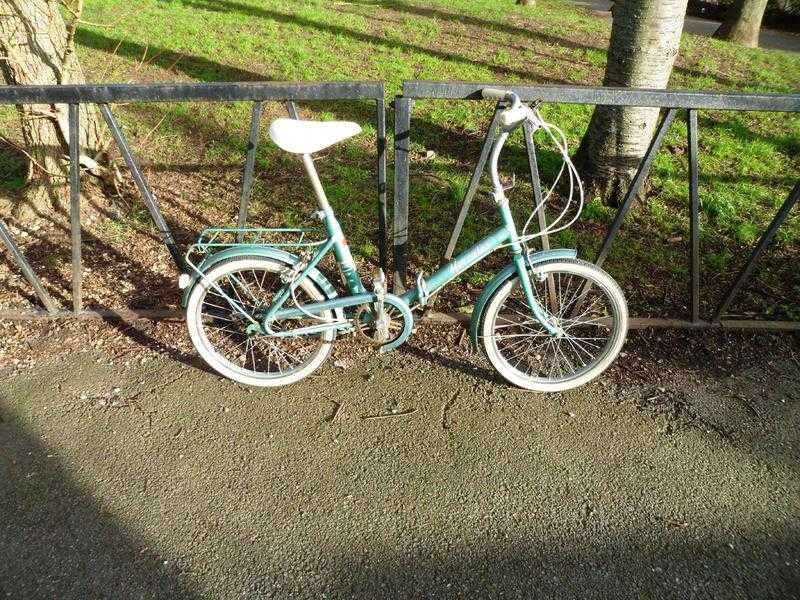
[(748, 161), (12, 169)]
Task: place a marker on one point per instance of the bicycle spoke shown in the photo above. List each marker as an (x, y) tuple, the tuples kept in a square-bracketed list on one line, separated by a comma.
[(505, 336), (570, 302), (226, 330), (528, 348), (577, 353), (246, 288), (564, 355)]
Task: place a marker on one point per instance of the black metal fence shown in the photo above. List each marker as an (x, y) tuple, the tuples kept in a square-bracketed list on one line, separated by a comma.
[(671, 101), (104, 95), (288, 93)]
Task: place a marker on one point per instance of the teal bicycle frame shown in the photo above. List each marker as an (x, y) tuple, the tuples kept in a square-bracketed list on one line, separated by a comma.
[(418, 296)]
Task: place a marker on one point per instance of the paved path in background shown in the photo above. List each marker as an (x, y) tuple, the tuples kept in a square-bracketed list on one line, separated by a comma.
[(415, 475), (768, 38)]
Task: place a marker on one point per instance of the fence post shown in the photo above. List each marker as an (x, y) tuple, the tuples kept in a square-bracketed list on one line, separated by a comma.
[(380, 109), (694, 218), (75, 206), (402, 131)]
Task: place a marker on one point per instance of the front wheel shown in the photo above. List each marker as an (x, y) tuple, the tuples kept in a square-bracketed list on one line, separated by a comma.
[(583, 301)]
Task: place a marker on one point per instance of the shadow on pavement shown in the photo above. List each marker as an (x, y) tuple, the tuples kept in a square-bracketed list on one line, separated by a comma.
[(57, 541), (467, 367), (606, 568), (275, 501)]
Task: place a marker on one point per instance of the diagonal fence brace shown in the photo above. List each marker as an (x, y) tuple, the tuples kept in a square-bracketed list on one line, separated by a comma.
[(27, 270), (249, 168), (473, 182), (755, 255), (250, 161), (633, 191), (147, 194)]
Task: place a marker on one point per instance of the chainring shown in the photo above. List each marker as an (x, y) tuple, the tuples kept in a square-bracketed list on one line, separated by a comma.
[(364, 320)]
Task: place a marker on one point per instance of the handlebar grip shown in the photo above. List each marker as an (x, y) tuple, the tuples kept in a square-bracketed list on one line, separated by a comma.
[(494, 94)]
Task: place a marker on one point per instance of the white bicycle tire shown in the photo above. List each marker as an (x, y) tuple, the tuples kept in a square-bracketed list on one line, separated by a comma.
[(225, 367), (578, 267)]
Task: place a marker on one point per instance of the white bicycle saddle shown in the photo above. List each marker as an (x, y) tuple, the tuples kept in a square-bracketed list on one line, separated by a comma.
[(305, 137)]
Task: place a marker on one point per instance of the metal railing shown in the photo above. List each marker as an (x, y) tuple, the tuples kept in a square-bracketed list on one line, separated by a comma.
[(104, 95), (671, 101), (289, 93)]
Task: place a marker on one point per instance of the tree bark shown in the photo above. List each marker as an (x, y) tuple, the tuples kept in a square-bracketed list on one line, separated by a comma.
[(645, 38), (742, 23), (36, 48)]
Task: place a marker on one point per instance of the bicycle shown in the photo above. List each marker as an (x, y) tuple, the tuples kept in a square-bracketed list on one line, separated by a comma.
[(263, 316)]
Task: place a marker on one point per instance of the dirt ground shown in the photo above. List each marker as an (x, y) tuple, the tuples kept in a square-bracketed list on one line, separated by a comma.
[(129, 471)]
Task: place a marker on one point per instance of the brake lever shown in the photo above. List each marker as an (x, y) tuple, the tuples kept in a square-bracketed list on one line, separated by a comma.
[(533, 117)]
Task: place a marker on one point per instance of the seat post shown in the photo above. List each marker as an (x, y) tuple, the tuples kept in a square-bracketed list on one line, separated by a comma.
[(344, 258), (311, 170)]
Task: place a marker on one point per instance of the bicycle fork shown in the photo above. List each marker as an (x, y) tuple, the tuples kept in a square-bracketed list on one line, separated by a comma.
[(521, 263)]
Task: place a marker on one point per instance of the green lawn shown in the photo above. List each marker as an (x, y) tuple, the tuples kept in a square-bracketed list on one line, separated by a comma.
[(194, 153)]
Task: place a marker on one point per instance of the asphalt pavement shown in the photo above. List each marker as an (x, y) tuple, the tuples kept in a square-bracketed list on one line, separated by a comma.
[(771, 39), (413, 475)]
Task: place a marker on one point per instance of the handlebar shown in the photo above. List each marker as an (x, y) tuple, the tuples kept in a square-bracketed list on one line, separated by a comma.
[(513, 115), (516, 112), (495, 94), (510, 118)]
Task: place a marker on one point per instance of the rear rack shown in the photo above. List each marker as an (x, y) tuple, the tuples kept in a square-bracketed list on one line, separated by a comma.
[(214, 239), (218, 238)]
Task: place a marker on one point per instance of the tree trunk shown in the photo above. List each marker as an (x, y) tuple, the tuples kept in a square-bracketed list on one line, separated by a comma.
[(36, 48), (526, 2), (743, 22), (645, 38)]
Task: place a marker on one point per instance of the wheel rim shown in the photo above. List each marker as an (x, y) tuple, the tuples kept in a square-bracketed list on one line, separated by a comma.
[(579, 304), (222, 329)]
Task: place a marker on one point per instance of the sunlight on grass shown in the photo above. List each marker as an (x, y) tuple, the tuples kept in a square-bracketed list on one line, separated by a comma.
[(748, 161)]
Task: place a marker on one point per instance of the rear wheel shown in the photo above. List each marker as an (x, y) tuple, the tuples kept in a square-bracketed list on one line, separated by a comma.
[(583, 301), (220, 332)]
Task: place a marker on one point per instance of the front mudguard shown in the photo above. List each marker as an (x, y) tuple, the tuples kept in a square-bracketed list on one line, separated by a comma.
[(274, 253), (503, 276)]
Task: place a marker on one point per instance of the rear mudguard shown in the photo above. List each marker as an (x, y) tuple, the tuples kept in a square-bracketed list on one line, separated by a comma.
[(279, 255), (503, 276)]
